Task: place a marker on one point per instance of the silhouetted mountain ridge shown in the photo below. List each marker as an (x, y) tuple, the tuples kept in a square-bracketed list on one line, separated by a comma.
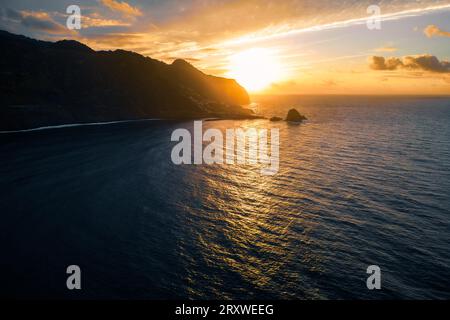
[(51, 83), (73, 45)]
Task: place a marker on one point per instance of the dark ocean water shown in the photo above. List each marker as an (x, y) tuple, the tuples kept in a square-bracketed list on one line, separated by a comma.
[(365, 181)]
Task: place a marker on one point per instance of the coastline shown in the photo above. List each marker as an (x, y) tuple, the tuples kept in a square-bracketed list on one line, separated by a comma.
[(72, 125)]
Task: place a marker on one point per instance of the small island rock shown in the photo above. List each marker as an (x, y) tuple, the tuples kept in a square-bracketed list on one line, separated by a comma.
[(294, 116)]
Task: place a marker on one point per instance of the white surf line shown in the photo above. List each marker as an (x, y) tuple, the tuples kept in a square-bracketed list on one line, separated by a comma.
[(70, 125)]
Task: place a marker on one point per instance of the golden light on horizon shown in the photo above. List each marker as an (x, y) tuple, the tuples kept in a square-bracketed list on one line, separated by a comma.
[(255, 69)]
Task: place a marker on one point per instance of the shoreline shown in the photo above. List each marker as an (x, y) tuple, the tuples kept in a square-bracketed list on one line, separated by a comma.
[(74, 125)]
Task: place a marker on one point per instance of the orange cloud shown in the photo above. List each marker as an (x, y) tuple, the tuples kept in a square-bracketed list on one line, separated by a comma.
[(96, 21), (424, 62), (122, 7), (434, 31), (115, 40), (386, 49)]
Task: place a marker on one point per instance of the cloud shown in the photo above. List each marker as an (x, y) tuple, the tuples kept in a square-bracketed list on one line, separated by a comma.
[(434, 31), (380, 63), (98, 21), (224, 24), (284, 85), (386, 49), (35, 20), (114, 40), (300, 16), (122, 7), (329, 83), (424, 62), (11, 14)]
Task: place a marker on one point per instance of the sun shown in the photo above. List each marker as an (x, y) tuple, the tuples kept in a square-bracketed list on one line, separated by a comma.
[(255, 69)]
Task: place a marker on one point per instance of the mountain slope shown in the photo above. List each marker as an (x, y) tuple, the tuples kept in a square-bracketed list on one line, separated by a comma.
[(44, 83)]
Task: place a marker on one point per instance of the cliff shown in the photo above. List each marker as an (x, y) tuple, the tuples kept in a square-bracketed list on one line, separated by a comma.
[(52, 83)]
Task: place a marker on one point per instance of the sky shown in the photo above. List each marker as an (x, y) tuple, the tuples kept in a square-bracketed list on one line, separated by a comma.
[(275, 47)]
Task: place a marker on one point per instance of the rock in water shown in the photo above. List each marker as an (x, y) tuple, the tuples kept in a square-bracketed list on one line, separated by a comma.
[(294, 116)]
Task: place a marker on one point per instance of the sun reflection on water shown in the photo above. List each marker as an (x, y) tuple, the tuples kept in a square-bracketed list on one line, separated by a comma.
[(246, 230)]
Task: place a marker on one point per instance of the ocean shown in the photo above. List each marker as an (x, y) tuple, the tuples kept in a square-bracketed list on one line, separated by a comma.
[(365, 181)]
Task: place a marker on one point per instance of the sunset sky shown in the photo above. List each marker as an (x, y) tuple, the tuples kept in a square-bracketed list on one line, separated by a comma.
[(282, 47)]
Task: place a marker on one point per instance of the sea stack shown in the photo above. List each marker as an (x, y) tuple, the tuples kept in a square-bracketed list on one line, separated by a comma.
[(294, 116)]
